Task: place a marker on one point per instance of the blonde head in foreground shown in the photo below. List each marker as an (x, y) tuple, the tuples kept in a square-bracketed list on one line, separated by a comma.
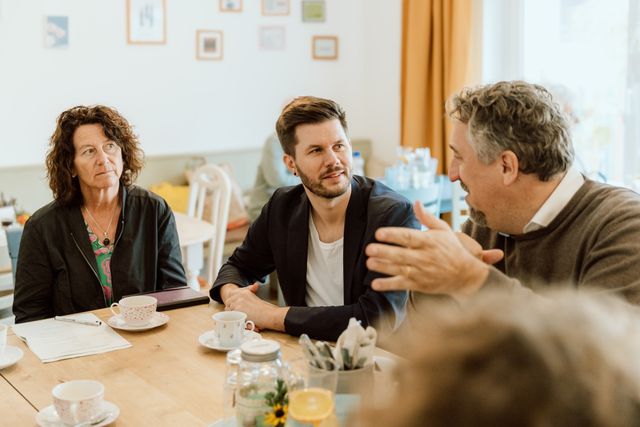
[(555, 360)]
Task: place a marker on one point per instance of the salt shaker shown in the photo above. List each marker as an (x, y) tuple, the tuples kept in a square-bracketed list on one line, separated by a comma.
[(230, 383)]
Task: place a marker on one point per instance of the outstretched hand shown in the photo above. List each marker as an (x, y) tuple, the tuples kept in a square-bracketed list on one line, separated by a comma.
[(433, 261)]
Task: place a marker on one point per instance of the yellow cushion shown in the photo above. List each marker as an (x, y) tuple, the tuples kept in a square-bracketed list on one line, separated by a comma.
[(177, 196)]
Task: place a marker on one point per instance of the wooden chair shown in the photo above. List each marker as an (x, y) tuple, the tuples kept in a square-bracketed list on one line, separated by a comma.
[(211, 187), (14, 234)]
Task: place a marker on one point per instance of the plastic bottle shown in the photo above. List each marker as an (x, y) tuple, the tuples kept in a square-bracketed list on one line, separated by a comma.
[(358, 164)]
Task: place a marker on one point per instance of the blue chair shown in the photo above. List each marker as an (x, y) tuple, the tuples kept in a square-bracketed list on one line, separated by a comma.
[(430, 196), (14, 234)]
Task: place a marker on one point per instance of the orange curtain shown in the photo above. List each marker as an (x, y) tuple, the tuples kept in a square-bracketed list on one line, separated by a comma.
[(436, 44)]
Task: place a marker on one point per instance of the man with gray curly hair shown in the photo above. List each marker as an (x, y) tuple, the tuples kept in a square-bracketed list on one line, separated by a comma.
[(539, 221)]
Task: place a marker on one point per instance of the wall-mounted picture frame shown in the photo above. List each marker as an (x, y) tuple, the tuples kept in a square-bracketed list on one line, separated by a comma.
[(56, 32), (272, 37), (324, 47), (146, 22), (209, 45), (314, 11), (275, 7), (231, 6)]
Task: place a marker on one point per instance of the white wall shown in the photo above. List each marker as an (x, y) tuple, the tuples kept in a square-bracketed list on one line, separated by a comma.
[(179, 104), (382, 67)]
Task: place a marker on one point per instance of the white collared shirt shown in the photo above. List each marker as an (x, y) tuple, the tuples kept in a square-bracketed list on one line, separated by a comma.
[(568, 187)]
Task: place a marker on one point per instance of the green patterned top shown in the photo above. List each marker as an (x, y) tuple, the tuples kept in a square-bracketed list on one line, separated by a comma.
[(103, 259)]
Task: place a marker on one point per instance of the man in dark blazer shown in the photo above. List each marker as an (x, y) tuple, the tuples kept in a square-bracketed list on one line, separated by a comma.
[(314, 235)]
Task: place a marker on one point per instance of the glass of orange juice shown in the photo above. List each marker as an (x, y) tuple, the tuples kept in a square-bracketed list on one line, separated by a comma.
[(311, 394)]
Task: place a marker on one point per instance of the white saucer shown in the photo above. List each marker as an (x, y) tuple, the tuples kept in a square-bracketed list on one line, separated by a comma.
[(209, 340), (158, 319), (48, 417), (11, 355)]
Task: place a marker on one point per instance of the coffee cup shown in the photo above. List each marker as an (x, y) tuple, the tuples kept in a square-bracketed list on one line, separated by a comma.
[(78, 401), (230, 327), (136, 310), (3, 339)]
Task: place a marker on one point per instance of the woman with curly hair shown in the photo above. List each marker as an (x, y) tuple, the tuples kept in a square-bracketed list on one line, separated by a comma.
[(102, 237)]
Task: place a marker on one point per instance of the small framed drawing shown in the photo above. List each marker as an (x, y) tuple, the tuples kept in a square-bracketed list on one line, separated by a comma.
[(56, 32), (325, 47), (209, 45), (230, 5), (313, 11), (272, 38), (275, 7), (146, 21)]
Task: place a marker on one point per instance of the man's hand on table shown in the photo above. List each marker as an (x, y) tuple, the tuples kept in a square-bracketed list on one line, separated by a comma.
[(265, 315)]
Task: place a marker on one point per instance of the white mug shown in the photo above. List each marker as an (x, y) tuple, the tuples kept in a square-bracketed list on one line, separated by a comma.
[(3, 339), (136, 310), (78, 401), (230, 327)]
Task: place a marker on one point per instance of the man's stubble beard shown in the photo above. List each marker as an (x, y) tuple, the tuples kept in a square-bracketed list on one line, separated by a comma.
[(478, 217), (318, 189)]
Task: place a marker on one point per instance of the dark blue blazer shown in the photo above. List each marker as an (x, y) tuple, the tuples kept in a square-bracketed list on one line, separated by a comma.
[(278, 240)]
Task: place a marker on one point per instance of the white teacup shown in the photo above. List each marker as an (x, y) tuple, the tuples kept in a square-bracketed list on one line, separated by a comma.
[(230, 327), (78, 401), (3, 338), (136, 310)]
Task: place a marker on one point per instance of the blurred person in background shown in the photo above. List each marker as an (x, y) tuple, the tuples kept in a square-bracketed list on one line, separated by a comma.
[(272, 174)]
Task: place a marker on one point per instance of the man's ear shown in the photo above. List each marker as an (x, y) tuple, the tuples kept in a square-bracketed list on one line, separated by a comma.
[(509, 166), (290, 163)]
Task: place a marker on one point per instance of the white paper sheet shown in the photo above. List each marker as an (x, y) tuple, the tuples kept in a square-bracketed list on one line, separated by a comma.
[(53, 340)]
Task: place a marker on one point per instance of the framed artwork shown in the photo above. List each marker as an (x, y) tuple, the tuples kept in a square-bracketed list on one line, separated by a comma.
[(146, 22), (275, 7), (209, 45), (230, 5), (313, 11), (325, 47), (272, 38), (56, 32)]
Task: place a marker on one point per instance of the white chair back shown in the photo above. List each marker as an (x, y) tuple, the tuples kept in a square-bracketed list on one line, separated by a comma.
[(211, 186)]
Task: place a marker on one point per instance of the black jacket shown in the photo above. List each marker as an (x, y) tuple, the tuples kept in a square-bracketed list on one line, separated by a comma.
[(278, 240), (57, 269)]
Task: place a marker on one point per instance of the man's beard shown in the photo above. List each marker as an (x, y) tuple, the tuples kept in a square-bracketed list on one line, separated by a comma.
[(478, 217), (317, 187)]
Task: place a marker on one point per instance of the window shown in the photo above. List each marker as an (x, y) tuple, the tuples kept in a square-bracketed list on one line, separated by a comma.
[(584, 52)]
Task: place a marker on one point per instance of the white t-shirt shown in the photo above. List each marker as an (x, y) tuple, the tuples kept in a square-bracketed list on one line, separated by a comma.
[(325, 279)]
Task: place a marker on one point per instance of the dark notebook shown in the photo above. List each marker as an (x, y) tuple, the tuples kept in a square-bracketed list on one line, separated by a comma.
[(177, 297)]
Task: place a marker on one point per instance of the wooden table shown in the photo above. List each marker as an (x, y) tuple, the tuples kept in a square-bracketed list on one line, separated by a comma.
[(15, 410), (165, 378), (192, 234)]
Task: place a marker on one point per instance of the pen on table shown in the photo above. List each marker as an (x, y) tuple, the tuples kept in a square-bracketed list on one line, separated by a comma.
[(81, 322)]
